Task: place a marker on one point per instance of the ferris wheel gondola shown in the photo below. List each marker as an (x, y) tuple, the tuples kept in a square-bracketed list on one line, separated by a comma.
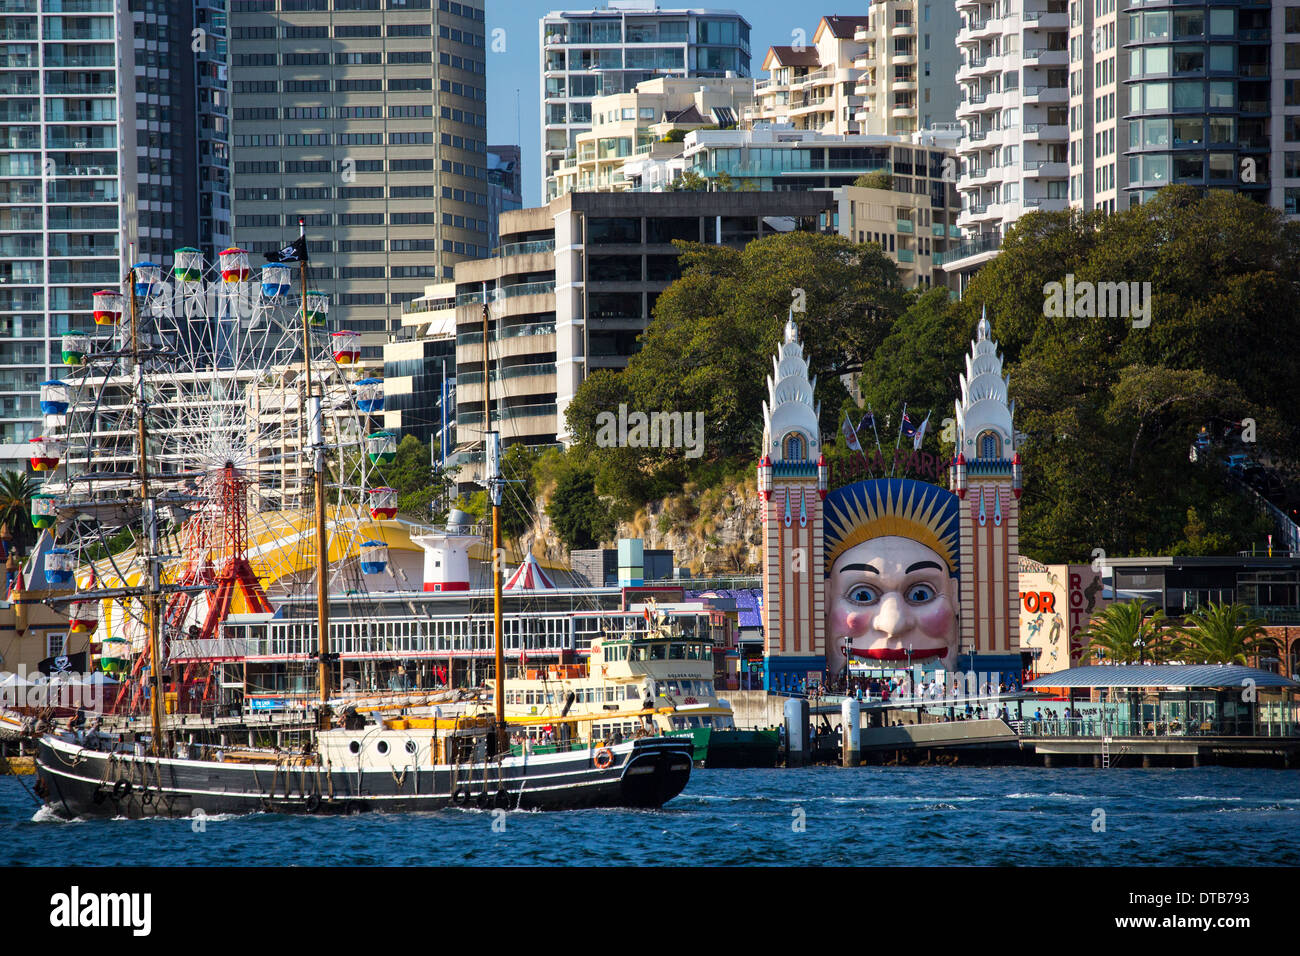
[(205, 360)]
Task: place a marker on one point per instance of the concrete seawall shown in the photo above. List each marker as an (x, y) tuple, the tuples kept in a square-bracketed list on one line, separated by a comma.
[(755, 709)]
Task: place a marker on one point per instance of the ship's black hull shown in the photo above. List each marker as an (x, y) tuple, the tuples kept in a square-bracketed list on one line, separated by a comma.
[(80, 782)]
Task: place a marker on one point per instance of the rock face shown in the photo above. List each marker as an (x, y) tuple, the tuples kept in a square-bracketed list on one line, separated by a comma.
[(713, 531)]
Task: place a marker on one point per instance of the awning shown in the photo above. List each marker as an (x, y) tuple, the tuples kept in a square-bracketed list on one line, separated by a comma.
[(1161, 675)]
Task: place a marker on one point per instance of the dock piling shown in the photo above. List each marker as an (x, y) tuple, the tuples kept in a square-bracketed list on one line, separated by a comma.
[(851, 739), (796, 732)]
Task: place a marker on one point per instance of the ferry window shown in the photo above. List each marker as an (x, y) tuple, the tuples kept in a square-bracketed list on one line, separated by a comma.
[(677, 652), (355, 747), (410, 746), (631, 692), (708, 652), (382, 746), (658, 652)]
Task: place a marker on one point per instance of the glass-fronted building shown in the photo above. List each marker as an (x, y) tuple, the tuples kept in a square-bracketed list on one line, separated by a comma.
[(590, 53), (1198, 97)]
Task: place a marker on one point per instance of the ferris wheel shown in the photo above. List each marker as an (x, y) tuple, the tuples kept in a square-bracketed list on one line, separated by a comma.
[(204, 364)]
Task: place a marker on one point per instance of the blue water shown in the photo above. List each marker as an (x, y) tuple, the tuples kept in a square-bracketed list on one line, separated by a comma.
[(876, 816)]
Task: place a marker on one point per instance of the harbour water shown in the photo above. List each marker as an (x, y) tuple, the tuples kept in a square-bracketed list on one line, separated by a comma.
[(879, 816)]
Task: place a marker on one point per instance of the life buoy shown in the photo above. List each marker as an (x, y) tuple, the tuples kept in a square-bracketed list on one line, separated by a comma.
[(460, 797), (604, 757), (121, 789), (312, 804), (146, 797)]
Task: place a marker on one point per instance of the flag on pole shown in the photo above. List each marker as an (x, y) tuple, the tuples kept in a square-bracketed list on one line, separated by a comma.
[(850, 435), (907, 428), (295, 251), (868, 421), (920, 434)]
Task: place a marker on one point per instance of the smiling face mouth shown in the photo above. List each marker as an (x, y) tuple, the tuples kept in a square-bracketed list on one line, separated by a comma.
[(898, 653)]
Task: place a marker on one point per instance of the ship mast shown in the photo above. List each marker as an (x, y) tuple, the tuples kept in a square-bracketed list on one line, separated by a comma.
[(316, 438), (152, 617), (492, 468)]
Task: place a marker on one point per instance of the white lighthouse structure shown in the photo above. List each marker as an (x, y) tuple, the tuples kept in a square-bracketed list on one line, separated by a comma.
[(446, 553)]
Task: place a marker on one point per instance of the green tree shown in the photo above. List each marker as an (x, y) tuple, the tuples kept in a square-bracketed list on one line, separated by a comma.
[(16, 490), (709, 346), (579, 516), (1125, 632), (880, 179), (1108, 403), (1225, 634), (688, 182)]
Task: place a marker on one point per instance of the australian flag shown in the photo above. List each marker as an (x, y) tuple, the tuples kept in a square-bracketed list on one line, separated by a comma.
[(868, 421), (295, 251), (909, 430)]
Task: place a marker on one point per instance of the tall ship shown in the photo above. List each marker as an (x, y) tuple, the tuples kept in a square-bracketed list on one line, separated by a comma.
[(153, 538)]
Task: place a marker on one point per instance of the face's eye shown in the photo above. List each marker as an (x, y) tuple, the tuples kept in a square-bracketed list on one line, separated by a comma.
[(920, 593), (862, 594)]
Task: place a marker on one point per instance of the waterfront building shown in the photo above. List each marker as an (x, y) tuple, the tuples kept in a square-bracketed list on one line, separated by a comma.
[(369, 121), (886, 73), (629, 125), (573, 286), (590, 53), (112, 132)]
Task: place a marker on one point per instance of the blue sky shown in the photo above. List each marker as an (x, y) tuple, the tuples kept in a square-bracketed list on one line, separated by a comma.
[(516, 120)]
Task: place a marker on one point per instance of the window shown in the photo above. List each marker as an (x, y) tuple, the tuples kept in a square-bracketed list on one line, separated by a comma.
[(989, 445), (794, 447)]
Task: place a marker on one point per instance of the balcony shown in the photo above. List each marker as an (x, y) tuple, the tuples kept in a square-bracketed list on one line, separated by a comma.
[(989, 242), (906, 255), (1045, 94), (1047, 168), (1046, 132), (904, 225)]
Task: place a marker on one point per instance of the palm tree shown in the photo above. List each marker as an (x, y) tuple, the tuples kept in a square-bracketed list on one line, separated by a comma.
[(1123, 633), (16, 490), (1225, 634)]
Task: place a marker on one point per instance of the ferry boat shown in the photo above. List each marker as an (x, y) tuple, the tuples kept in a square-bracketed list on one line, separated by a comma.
[(658, 680)]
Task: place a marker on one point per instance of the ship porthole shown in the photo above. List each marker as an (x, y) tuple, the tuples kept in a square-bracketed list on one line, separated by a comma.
[(410, 746), (355, 747), (382, 746)]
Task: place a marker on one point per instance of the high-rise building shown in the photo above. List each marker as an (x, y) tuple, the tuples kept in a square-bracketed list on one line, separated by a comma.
[(505, 186), (181, 142), (112, 132), (886, 73), (1198, 97), (573, 286), (1015, 113), (589, 53), (367, 118), (1098, 101)]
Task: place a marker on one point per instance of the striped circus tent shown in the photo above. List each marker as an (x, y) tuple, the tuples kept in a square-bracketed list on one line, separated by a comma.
[(529, 576)]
